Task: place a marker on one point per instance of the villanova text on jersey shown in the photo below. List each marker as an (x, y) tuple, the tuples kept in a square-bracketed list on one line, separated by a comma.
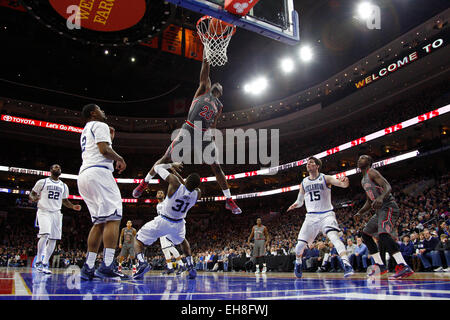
[(314, 187)]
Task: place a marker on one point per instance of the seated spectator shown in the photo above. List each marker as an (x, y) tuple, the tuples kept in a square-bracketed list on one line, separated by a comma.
[(428, 255), (311, 260), (407, 249), (361, 255), (335, 259), (415, 260), (323, 259), (443, 250), (351, 252)]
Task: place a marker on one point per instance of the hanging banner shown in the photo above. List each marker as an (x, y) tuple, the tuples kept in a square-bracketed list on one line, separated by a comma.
[(193, 48), (171, 39)]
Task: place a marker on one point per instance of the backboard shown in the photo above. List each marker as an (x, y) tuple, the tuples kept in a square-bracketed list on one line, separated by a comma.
[(275, 19)]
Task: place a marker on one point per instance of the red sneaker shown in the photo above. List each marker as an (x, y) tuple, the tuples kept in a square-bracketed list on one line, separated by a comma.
[(139, 190), (401, 271), (231, 205)]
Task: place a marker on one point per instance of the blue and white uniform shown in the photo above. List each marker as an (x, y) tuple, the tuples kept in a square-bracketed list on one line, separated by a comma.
[(319, 210), (49, 217), (166, 245), (96, 183), (170, 220)]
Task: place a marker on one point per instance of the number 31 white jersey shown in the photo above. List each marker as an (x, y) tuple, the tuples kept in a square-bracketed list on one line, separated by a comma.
[(177, 206), (317, 195), (51, 194)]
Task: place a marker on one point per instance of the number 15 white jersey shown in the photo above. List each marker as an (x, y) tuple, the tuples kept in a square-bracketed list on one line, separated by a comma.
[(317, 195), (177, 206)]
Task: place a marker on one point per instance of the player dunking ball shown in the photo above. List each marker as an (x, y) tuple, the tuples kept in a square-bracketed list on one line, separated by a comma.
[(261, 237), (126, 244), (100, 192), (315, 191), (382, 223), (170, 223), (167, 247), (206, 109), (50, 194)]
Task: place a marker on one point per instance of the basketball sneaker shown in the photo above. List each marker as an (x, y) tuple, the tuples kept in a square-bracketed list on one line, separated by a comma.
[(264, 270), (109, 272), (298, 270), (45, 269), (180, 269), (376, 270), (348, 270), (257, 269), (139, 190), (167, 272), (142, 269), (192, 272), (401, 271), (120, 268), (231, 205), (87, 273)]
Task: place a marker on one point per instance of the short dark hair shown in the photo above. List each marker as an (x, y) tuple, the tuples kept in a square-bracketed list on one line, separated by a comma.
[(87, 109), (317, 161), (55, 164), (369, 159), (192, 181)]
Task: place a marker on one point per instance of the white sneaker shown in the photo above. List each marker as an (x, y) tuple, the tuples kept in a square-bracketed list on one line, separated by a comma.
[(257, 270), (264, 270), (45, 269), (440, 269), (447, 270)]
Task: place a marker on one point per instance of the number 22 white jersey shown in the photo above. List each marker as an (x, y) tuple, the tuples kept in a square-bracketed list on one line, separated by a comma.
[(317, 195), (177, 206), (51, 194)]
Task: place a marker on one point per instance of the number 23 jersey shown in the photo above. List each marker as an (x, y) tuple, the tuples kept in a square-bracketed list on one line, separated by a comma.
[(317, 195), (177, 206), (51, 194)]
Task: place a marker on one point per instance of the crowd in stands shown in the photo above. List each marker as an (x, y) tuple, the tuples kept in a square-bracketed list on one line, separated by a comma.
[(216, 240)]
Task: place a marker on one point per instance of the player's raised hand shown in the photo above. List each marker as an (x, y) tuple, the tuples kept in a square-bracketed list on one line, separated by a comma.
[(177, 166), (121, 165), (76, 207), (344, 181)]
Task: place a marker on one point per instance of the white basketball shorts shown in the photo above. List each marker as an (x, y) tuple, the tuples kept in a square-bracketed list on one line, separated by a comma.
[(50, 223), (314, 223), (159, 227), (168, 248), (101, 194)]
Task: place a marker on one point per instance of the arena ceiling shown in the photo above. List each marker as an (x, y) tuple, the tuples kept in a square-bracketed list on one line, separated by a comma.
[(39, 57)]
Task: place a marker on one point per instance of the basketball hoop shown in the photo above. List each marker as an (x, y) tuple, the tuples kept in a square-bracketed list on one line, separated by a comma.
[(215, 35)]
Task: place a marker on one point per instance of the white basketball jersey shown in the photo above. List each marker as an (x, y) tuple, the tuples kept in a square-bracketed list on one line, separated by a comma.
[(51, 194), (177, 206), (317, 195), (159, 207), (93, 133)]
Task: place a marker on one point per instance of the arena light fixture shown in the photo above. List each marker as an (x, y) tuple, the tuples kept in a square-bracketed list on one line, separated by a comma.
[(306, 53), (256, 86), (364, 10), (287, 65)]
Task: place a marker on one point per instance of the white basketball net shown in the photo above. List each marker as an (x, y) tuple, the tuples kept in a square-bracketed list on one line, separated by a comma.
[(215, 37)]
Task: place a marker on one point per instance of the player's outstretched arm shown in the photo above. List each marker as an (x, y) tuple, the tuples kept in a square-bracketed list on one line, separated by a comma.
[(66, 203), (205, 81), (300, 200), (108, 152), (172, 179), (342, 182), (374, 175)]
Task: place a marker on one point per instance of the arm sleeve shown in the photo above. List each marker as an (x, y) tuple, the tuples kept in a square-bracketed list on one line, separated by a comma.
[(101, 133), (161, 169), (39, 186)]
